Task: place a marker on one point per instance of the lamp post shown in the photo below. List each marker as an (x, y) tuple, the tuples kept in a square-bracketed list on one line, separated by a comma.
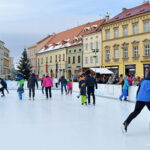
[(95, 51)]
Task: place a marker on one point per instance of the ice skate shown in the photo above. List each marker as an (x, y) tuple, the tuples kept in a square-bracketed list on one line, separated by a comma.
[(124, 127)]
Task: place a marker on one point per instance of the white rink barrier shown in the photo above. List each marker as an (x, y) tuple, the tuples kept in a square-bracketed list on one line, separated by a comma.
[(111, 91)]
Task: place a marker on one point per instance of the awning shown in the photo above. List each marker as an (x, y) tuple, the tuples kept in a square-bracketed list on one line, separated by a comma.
[(101, 70)]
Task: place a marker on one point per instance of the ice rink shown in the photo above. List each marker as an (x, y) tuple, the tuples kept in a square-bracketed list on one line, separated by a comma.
[(62, 123)]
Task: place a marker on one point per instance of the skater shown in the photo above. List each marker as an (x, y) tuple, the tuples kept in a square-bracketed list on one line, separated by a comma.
[(56, 82), (31, 85), (2, 86), (125, 88), (20, 91), (69, 86), (47, 83), (5, 85), (82, 88), (42, 83), (63, 82), (20, 80), (142, 100), (91, 84)]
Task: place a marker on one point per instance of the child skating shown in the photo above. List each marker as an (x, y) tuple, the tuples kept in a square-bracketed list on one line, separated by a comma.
[(82, 88), (20, 91)]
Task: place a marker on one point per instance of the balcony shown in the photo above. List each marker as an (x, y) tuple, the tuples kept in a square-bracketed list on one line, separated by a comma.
[(136, 57), (146, 57), (125, 58), (116, 59), (107, 60)]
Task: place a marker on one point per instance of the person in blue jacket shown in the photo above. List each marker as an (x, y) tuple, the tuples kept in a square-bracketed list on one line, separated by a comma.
[(125, 88), (142, 100)]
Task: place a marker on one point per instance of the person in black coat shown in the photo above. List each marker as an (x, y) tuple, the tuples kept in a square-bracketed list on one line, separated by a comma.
[(91, 84), (63, 82), (31, 85), (3, 86)]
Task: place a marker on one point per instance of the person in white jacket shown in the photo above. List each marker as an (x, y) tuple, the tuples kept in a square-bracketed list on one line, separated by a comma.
[(56, 82)]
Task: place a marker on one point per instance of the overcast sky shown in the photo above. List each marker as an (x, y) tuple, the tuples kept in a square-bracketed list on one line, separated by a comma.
[(24, 22)]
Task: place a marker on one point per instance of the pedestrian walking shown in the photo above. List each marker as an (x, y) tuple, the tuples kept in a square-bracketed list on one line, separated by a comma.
[(31, 85), (56, 82), (63, 82), (42, 83), (20, 91), (48, 83), (125, 88), (91, 84), (142, 100), (5, 85), (82, 88)]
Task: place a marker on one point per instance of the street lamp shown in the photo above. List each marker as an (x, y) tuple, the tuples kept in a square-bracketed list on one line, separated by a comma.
[(95, 51)]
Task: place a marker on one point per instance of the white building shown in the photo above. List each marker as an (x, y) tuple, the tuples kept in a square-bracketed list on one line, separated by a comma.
[(1, 57)]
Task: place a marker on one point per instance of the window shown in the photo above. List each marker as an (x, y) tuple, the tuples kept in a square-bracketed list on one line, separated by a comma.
[(125, 31), (91, 45), (116, 53), (116, 33), (96, 59), (86, 60), (55, 58), (147, 50), (75, 51), (41, 60), (50, 59), (38, 61), (135, 29), (86, 46), (79, 50), (46, 59), (68, 60), (97, 45), (107, 35), (146, 26), (125, 52), (91, 59), (70, 51), (107, 54), (73, 60), (59, 58), (135, 51), (78, 59), (63, 57)]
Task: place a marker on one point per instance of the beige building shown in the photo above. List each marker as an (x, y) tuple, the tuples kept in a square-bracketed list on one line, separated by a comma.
[(92, 44), (34, 49), (126, 41), (6, 61)]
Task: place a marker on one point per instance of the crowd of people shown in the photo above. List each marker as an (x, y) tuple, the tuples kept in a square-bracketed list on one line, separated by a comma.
[(87, 86)]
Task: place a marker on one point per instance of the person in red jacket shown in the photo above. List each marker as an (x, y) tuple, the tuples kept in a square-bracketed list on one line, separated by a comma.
[(47, 83)]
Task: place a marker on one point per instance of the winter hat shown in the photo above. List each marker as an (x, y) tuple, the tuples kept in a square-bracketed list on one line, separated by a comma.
[(47, 74)]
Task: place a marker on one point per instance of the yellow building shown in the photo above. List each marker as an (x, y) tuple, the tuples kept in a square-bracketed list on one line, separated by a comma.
[(126, 41), (6, 61)]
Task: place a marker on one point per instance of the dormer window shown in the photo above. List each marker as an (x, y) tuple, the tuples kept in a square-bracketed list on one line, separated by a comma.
[(86, 29), (93, 26)]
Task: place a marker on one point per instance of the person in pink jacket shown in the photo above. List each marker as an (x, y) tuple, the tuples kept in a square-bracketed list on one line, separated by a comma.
[(47, 83)]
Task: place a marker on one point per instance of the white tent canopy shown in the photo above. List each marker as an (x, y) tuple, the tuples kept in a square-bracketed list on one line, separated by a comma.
[(101, 70)]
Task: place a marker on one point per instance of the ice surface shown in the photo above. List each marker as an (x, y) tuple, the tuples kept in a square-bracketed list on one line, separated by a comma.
[(62, 123)]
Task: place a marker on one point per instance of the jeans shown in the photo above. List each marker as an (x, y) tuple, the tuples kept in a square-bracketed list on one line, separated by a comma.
[(63, 86), (90, 90), (138, 108), (20, 96), (124, 94), (32, 89), (48, 89)]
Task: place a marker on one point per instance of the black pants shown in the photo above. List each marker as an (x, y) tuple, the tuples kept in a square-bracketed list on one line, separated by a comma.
[(2, 90), (90, 90), (43, 89), (48, 89), (138, 108), (56, 84), (6, 89), (32, 90)]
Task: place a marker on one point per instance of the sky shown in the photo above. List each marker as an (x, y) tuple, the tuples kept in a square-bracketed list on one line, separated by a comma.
[(25, 22)]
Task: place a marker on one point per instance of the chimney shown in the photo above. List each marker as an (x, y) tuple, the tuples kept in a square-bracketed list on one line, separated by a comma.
[(107, 16), (145, 2), (123, 9)]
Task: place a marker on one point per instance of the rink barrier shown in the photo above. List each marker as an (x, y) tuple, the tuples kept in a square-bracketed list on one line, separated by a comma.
[(111, 91), (104, 90)]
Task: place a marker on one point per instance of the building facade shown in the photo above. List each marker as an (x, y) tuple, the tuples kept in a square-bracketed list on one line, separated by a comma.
[(6, 65), (74, 60), (1, 57), (126, 41), (34, 49), (92, 44)]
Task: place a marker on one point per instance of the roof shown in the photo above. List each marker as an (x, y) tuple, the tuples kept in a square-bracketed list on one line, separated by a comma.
[(49, 36), (127, 13), (32, 46), (72, 36), (101, 70)]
